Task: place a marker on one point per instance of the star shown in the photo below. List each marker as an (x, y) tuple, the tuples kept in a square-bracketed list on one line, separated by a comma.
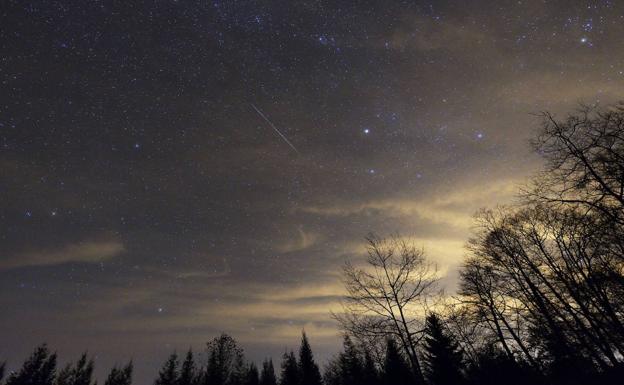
[(366, 131)]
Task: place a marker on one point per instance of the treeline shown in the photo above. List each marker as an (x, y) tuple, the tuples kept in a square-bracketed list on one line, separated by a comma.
[(41, 369), (225, 364)]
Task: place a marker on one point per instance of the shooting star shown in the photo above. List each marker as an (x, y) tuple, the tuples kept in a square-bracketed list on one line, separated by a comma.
[(275, 128)]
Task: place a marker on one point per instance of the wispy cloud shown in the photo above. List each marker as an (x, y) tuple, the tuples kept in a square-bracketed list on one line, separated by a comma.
[(84, 252), (454, 208), (302, 240)]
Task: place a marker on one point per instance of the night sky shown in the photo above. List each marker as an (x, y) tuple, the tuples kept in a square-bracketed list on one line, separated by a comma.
[(171, 170)]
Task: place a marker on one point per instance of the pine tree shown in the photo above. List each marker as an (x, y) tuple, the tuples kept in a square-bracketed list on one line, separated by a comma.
[(252, 377), (2, 369), (79, 374), (225, 362), (396, 371), (39, 369), (168, 374), (370, 372), (350, 364), (443, 356), (290, 370), (308, 369), (64, 376), (83, 371), (120, 376), (267, 376), (188, 372), (239, 371)]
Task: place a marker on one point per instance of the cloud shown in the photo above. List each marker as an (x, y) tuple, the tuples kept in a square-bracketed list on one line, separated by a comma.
[(304, 240), (81, 252), (454, 208)]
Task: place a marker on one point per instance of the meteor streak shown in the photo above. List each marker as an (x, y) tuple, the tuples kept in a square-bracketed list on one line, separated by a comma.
[(274, 128)]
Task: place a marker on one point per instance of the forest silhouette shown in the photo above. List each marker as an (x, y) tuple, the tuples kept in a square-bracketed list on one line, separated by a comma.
[(540, 299)]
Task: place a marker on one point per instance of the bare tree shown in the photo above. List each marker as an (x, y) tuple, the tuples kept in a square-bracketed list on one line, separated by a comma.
[(546, 268), (584, 156), (387, 297)]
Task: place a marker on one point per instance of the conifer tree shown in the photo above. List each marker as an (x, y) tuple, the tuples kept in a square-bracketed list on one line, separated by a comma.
[(308, 369), (225, 362), (168, 374), (290, 370), (2, 369), (120, 376), (39, 369), (267, 376), (370, 372), (252, 377), (350, 364), (396, 371), (188, 372), (443, 356), (79, 374), (64, 376)]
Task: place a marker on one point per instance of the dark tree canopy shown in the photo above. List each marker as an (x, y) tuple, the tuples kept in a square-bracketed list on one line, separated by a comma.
[(396, 370), (188, 374), (290, 370), (352, 366), (267, 376), (252, 377), (120, 375), (168, 374), (39, 369), (443, 356), (226, 365), (79, 374), (308, 369)]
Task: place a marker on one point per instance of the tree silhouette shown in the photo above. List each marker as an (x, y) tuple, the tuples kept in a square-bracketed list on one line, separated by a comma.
[(188, 375), (120, 376), (346, 368), (267, 376), (442, 354), (2, 369), (308, 370), (369, 371), (396, 370), (225, 362), (168, 374), (38, 369), (290, 370), (351, 367), (384, 298), (252, 377), (350, 363), (79, 374), (494, 367)]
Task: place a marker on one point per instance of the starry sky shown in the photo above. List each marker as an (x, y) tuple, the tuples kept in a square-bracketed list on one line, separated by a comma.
[(173, 169)]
